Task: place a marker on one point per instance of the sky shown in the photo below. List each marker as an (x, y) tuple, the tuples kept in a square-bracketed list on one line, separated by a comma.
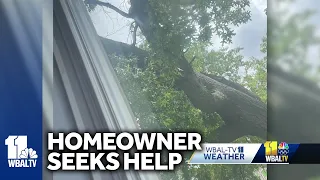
[(248, 36)]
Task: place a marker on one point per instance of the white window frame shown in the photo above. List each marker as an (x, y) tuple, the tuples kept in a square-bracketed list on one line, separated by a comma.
[(94, 93)]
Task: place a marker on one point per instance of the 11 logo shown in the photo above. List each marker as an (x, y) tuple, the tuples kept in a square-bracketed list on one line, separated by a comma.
[(19, 155)]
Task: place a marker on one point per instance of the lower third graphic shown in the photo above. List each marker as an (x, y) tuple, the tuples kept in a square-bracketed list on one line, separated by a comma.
[(19, 155)]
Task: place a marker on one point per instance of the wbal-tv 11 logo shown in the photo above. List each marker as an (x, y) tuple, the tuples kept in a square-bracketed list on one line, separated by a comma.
[(19, 155), (276, 153)]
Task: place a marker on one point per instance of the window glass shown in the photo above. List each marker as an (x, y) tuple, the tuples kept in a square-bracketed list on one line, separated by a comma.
[(191, 66)]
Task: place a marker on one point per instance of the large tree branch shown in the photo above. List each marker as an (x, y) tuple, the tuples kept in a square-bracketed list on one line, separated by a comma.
[(232, 84), (243, 114), (124, 50)]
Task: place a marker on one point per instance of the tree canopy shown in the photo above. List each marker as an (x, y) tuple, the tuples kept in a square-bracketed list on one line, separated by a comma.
[(174, 81)]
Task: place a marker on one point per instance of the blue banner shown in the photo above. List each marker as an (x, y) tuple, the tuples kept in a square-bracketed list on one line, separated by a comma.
[(21, 89)]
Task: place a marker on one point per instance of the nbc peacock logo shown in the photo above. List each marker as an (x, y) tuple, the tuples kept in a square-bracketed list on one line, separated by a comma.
[(283, 149)]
